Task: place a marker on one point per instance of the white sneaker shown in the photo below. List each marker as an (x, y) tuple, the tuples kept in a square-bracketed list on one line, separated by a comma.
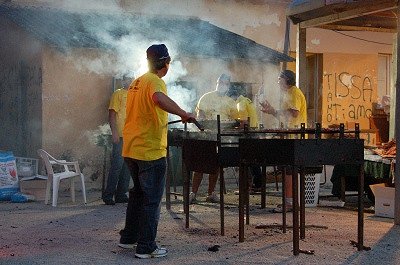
[(212, 198), (158, 253), (192, 197)]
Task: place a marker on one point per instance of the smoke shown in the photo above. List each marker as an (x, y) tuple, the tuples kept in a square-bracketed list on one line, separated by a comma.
[(184, 97), (121, 39), (79, 5), (100, 136)]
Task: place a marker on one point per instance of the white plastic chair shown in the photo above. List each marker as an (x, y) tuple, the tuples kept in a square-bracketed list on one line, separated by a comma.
[(53, 179)]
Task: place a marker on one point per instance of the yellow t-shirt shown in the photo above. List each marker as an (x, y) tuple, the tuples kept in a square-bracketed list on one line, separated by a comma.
[(118, 104), (145, 131), (212, 104), (294, 99), (247, 109)]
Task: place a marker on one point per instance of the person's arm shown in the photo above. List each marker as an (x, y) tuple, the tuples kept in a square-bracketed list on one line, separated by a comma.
[(112, 120), (201, 115), (167, 104), (266, 107)]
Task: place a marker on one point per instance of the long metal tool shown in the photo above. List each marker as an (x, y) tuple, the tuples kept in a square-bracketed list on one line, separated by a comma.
[(194, 121)]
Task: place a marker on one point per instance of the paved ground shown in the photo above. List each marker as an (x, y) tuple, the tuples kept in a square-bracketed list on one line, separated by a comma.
[(34, 233)]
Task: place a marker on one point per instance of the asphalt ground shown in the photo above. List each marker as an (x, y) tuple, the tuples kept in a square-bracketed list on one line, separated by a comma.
[(73, 233)]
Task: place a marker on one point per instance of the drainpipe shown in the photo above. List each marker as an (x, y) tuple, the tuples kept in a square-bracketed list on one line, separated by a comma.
[(287, 42)]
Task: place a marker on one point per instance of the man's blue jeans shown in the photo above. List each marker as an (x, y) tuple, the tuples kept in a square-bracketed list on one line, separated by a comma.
[(144, 204), (118, 176)]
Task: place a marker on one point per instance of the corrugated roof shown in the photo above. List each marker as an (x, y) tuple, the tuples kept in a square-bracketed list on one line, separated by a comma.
[(359, 15), (193, 36)]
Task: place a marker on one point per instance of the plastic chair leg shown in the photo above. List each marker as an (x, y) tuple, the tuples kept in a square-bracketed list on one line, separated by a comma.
[(72, 189), (56, 184), (48, 190), (83, 188)]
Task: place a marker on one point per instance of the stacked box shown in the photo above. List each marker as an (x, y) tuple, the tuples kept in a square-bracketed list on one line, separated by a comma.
[(384, 200)]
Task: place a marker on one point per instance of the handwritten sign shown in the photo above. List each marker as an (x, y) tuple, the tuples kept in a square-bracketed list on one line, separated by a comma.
[(349, 88)]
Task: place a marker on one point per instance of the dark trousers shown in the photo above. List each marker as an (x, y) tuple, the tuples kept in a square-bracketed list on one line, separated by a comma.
[(143, 212), (118, 176), (257, 176)]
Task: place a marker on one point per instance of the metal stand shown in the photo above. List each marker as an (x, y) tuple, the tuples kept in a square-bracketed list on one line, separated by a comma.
[(300, 153)]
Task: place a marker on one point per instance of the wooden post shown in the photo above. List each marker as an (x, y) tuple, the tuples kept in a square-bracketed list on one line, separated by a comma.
[(301, 62), (397, 127)]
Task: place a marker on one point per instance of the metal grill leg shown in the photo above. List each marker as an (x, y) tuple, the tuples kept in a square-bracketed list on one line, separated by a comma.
[(360, 229), (302, 204), (242, 186), (221, 202), (295, 181)]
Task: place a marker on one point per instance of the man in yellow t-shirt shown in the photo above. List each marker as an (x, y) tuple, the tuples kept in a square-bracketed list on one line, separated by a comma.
[(293, 107), (118, 175), (144, 150), (217, 102), (209, 106), (293, 112), (246, 110)]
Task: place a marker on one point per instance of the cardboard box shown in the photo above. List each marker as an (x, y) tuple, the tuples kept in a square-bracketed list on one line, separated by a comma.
[(384, 200), (35, 187)]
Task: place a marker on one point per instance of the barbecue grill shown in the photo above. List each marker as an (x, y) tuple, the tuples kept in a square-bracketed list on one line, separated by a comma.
[(251, 147), (197, 143), (208, 151), (300, 153)]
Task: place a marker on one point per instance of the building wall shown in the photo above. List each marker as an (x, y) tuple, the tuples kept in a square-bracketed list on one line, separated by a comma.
[(48, 101), (20, 91), (75, 104), (350, 88)]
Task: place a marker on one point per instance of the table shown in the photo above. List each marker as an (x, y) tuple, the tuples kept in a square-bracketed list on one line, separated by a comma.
[(376, 170)]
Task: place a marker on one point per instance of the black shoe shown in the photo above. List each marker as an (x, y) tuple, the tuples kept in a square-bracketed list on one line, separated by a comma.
[(122, 200), (109, 201)]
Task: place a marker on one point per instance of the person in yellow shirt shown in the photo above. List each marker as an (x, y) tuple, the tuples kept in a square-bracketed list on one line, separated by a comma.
[(292, 113), (293, 107), (145, 150), (118, 175), (247, 110), (217, 102), (209, 106)]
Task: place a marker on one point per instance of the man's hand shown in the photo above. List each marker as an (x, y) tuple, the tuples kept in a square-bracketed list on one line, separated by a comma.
[(267, 108), (188, 117)]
